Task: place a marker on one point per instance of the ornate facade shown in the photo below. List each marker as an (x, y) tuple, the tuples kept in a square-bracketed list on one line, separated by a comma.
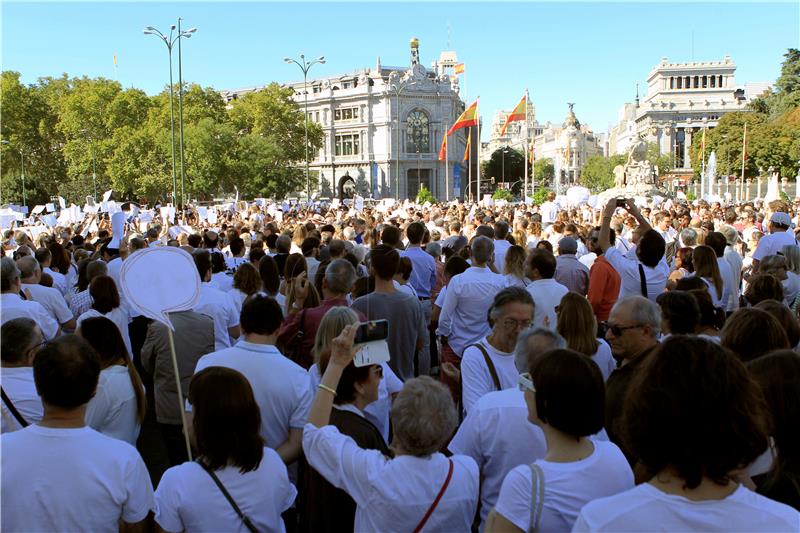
[(383, 127)]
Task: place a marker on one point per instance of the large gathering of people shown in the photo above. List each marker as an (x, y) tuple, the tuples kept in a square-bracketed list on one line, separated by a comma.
[(630, 367)]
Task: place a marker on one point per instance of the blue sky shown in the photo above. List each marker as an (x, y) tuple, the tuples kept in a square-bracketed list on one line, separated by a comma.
[(592, 54)]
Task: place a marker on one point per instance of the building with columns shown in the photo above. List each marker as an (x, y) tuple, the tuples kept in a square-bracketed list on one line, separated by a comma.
[(383, 127), (682, 99)]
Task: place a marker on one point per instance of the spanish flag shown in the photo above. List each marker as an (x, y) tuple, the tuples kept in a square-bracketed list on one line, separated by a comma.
[(469, 142), (517, 114), (443, 149), (532, 153), (468, 118), (459, 68)]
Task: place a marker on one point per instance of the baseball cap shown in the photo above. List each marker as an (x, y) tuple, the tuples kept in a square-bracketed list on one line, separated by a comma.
[(567, 245), (781, 219)]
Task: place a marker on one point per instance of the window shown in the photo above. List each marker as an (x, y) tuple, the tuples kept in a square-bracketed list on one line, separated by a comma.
[(680, 83), (719, 83), (671, 82), (705, 82), (713, 81), (417, 132), (348, 144), (347, 113), (696, 82)]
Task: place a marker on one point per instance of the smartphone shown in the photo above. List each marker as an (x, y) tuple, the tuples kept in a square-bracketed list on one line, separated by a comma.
[(374, 330)]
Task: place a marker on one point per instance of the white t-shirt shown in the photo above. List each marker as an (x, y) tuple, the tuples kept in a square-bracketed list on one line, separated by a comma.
[(119, 316), (604, 359), (219, 306), (21, 390), (547, 294), (773, 243), (222, 281), (630, 282), (71, 479), (112, 410), (51, 299), (501, 246), (476, 380), (567, 487), (187, 499), (13, 306), (646, 508)]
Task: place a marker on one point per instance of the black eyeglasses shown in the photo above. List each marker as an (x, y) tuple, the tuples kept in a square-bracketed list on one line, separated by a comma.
[(619, 330)]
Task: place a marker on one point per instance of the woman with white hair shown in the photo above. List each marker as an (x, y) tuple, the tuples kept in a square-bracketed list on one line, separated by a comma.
[(792, 255), (420, 487)]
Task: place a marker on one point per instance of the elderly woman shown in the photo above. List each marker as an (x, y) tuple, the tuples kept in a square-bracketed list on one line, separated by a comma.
[(776, 265), (420, 487), (359, 389)]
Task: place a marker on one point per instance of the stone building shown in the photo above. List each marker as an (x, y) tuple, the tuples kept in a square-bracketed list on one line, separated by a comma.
[(383, 127)]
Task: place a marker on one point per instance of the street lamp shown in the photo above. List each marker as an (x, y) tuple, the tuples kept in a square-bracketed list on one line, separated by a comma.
[(188, 33), (305, 66), (398, 90), (169, 41), (22, 164)]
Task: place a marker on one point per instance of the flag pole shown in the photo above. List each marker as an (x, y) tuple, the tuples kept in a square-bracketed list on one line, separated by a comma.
[(446, 164), (469, 162), (525, 181), (478, 170), (744, 149), (703, 165)]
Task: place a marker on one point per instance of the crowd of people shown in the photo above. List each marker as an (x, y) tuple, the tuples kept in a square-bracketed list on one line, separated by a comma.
[(552, 368)]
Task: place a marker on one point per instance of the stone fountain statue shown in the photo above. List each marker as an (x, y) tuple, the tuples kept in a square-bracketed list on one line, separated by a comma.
[(637, 177)]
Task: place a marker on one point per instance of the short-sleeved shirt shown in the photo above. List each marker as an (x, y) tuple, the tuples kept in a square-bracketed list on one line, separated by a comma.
[(773, 243), (71, 479), (13, 306), (628, 269), (219, 306), (18, 384), (476, 379), (51, 299)]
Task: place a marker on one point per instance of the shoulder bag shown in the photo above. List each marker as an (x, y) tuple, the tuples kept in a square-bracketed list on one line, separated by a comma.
[(247, 523), (435, 503), (537, 497), (12, 409)]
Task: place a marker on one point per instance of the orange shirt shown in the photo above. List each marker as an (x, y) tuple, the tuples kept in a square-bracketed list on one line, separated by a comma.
[(604, 283)]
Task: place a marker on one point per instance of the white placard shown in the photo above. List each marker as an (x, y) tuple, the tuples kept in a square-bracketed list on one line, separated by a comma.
[(117, 229), (160, 280), (38, 209), (106, 195), (212, 216), (359, 204), (50, 220), (202, 213), (371, 353), (62, 203), (50, 207)]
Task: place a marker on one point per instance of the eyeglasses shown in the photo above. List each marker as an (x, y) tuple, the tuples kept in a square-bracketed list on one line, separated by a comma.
[(619, 330), (36, 347), (510, 323), (525, 382)]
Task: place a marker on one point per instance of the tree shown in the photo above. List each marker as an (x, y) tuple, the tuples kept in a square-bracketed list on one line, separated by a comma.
[(502, 194), (726, 140), (598, 173), (543, 172), (424, 195), (514, 164)]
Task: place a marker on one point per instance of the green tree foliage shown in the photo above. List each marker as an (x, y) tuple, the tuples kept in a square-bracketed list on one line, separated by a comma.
[(502, 194), (514, 163), (425, 195), (543, 172), (598, 173)]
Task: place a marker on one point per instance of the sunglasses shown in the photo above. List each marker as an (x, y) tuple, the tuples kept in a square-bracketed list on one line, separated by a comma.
[(619, 330), (525, 382)]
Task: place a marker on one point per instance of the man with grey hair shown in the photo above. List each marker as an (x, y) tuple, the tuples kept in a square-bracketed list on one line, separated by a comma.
[(82, 301), (51, 299), (468, 299), (340, 276), (632, 331), (496, 432), (13, 306), (570, 272), (687, 238)]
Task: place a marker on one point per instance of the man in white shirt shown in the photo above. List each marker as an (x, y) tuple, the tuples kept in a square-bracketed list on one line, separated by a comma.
[(51, 299), (13, 306), (546, 291), (663, 222), (647, 274), (779, 236), (496, 432), (112, 258), (280, 386), (501, 245), (20, 339), (216, 304), (488, 365), (549, 210), (59, 474)]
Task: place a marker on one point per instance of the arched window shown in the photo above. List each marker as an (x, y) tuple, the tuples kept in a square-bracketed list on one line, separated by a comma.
[(705, 82), (417, 132), (697, 82)]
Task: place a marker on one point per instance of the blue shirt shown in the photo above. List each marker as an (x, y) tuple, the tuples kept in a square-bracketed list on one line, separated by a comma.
[(423, 275)]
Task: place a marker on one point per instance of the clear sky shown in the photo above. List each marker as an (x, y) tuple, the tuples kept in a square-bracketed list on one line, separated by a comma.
[(592, 54)]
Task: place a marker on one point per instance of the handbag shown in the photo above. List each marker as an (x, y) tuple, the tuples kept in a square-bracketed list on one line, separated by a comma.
[(247, 523), (537, 497), (435, 503), (13, 409)]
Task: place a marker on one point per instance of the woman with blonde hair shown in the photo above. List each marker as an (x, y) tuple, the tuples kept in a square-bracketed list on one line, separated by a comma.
[(246, 282), (578, 325), (514, 267), (534, 234), (298, 236), (706, 268), (359, 389)]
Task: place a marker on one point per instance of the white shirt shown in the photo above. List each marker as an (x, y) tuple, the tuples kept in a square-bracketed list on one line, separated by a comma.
[(222, 281), (501, 246), (604, 360), (51, 299), (730, 290), (71, 479), (114, 267), (233, 262), (13, 306), (588, 259), (567, 487), (773, 243), (187, 499), (59, 280), (219, 306), (476, 380), (646, 508), (549, 211), (279, 385), (469, 297), (21, 390), (378, 411), (312, 263), (119, 316), (791, 287), (496, 433), (514, 281), (735, 262), (394, 494), (237, 299), (547, 294), (112, 411), (630, 283)]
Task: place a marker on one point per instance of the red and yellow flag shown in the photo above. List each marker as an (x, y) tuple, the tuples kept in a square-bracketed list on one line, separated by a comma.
[(519, 113), (532, 153), (459, 68), (468, 118), (469, 142), (443, 149)]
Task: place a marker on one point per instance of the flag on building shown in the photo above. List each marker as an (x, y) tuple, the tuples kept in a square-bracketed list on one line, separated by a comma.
[(532, 153), (466, 151), (519, 113), (468, 118), (459, 68), (443, 149)]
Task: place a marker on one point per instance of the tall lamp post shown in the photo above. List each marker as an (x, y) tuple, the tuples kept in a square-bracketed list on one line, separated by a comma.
[(398, 90), (169, 41), (22, 164), (305, 66), (188, 33), (503, 164)]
